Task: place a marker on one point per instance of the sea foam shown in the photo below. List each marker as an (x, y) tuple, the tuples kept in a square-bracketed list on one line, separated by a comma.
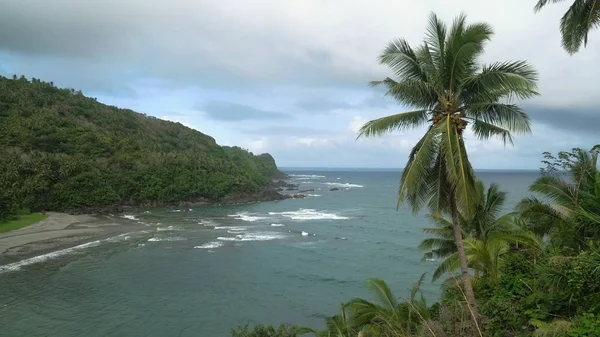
[(210, 245), (245, 216), (309, 214)]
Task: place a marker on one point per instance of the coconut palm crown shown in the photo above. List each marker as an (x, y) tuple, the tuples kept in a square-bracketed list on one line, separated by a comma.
[(575, 25), (449, 91)]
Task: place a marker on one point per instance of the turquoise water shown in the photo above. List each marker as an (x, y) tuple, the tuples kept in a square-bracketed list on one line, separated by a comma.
[(203, 271)]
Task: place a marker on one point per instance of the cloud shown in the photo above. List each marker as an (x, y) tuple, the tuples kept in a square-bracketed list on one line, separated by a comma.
[(284, 130), (577, 119), (228, 111), (290, 76)]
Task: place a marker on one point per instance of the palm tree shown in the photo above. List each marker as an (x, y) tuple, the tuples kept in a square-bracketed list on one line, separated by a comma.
[(569, 211), (448, 90), (576, 23), (488, 235), (388, 316)]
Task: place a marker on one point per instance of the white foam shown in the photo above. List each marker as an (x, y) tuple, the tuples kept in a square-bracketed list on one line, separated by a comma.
[(245, 216), (155, 239), (259, 236), (210, 245), (206, 222), (306, 176), (169, 229), (348, 185), (232, 228), (313, 195), (277, 225), (41, 258), (309, 214), (225, 238), (129, 217), (304, 233)]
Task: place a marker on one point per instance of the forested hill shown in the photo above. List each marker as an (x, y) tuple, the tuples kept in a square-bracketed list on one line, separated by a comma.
[(63, 151)]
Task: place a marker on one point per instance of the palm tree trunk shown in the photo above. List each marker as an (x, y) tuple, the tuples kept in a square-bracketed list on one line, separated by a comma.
[(462, 257)]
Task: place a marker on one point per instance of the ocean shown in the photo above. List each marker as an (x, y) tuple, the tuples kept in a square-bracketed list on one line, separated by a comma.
[(203, 271)]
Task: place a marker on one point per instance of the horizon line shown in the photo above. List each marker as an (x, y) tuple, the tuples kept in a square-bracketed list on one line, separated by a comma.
[(387, 168)]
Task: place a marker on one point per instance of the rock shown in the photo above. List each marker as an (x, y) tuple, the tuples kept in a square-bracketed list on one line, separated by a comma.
[(334, 189), (298, 196), (281, 183), (291, 189), (304, 191)]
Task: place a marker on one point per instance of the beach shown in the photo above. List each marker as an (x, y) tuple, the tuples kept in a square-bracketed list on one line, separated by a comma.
[(59, 231)]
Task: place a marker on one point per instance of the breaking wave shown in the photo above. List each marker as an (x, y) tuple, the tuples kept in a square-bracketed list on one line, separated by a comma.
[(210, 245), (309, 214), (343, 185)]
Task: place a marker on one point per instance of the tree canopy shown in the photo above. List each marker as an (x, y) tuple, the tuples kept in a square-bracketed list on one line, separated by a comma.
[(63, 151)]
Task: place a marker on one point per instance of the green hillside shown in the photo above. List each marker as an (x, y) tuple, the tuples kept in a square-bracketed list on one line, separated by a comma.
[(63, 151)]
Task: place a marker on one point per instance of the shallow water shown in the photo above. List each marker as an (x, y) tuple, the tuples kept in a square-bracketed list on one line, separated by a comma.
[(202, 271)]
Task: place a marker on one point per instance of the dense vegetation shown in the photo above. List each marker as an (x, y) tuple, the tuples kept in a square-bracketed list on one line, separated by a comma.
[(534, 271), (63, 151)]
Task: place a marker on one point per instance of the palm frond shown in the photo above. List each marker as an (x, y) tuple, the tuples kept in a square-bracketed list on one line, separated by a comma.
[(543, 3), (465, 44), (436, 41), (449, 264), (577, 22), (556, 190), (460, 172), (508, 80), (401, 58), (508, 116), (412, 92), (484, 131), (412, 185), (391, 123), (383, 293)]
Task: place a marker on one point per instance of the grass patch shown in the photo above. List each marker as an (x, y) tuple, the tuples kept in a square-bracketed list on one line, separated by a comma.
[(21, 221)]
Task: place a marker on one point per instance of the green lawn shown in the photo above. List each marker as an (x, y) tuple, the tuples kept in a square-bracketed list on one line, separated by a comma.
[(22, 221)]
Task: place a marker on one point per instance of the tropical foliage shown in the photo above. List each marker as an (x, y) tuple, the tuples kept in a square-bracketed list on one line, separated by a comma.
[(577, 22), (489, 235), (63, 151), (443, 81)]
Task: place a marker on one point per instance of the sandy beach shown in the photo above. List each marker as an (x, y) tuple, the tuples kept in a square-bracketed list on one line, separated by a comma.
[(59, 231)]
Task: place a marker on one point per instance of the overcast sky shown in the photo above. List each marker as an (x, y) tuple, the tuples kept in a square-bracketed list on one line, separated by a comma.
[(290, 77)]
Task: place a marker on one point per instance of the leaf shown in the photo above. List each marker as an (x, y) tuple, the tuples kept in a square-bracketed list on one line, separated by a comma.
[(391, 123)]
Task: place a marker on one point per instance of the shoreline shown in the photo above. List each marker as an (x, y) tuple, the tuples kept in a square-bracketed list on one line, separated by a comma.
[(58, 232), (63, 231)]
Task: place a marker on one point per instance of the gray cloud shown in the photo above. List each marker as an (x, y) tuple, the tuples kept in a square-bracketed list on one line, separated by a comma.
[(578, 119), (284, 130), (315, 105), (232, 44), (227, 111)]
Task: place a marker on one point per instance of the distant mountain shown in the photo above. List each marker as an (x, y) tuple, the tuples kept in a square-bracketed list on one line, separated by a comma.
[(63, 151)]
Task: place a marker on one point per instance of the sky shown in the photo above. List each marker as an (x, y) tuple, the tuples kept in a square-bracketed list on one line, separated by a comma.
[(290, 77)]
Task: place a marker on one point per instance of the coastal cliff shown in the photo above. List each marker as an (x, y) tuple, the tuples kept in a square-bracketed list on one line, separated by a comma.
[(63, 151)]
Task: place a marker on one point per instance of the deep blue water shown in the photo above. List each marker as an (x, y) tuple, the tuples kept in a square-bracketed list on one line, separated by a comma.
[(203, 271)]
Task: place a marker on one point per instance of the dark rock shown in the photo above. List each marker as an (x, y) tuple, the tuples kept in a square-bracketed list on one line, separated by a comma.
[(334, 189), (291, 189), (281, 183), (298, 196), (304, 191)]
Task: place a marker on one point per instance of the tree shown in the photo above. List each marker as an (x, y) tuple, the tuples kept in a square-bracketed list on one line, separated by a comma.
[(569, 210), (386, 317), (443, 82), (576, 23), (487, 236)]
